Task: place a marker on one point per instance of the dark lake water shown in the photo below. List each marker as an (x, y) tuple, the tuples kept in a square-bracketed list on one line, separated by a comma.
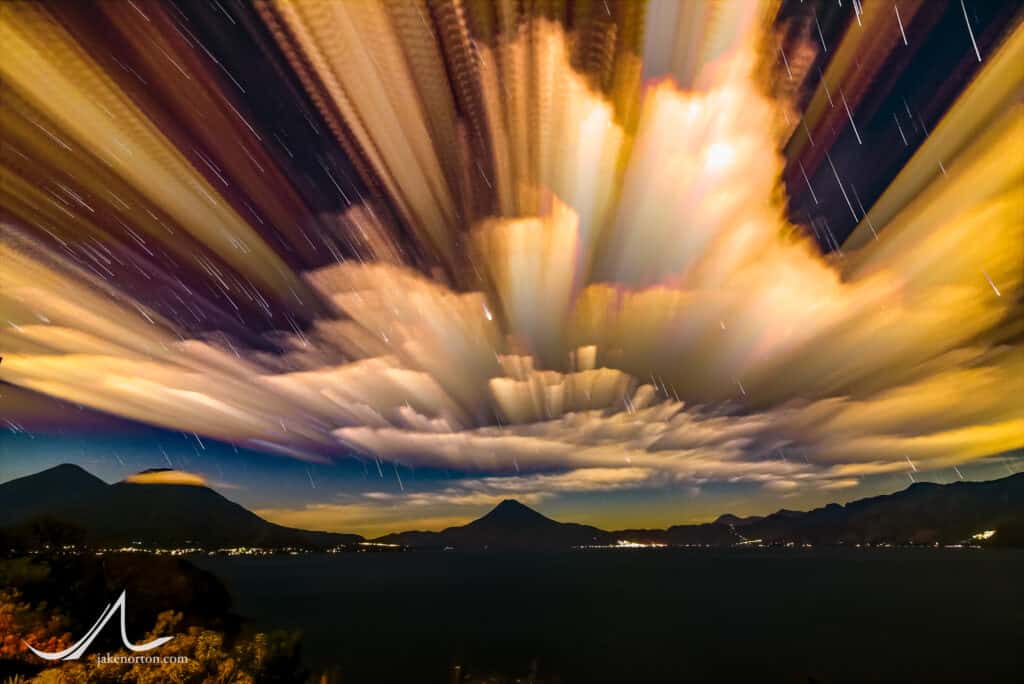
[(648, 615)]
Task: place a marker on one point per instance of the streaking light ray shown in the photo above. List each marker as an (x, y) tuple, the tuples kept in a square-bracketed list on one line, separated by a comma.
[(581, 273)]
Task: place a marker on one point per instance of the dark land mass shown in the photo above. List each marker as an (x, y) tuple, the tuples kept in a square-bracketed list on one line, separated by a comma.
[(510, 525), (56, 591), (708, 534), (528, 604), (923, 513), (182, 515), (164, 515)]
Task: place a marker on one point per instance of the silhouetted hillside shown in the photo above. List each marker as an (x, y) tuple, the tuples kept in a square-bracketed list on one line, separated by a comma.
[(923, 513), (173, 514), (63, 486), (154, 514), (708, 534), (510, 525)]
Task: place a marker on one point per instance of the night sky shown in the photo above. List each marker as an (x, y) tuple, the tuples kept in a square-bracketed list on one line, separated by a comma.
[(376, 267)]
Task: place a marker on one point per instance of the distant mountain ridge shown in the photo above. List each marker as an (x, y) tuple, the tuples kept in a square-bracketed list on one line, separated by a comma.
[(510, 525), (175, 515), (923, 513), (156, 514)]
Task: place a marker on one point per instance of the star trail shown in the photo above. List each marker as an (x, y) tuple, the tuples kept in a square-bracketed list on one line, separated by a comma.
[(633, 259)]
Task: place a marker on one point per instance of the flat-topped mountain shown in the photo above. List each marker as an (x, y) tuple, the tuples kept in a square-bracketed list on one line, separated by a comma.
[(146, 510)]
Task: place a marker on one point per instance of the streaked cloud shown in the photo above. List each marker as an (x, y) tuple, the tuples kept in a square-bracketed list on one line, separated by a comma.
[(637, 310), (167, 477)]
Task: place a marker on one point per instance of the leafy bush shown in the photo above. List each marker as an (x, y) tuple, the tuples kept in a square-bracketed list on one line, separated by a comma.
[(52, 598), (21, 622), (206, 660)]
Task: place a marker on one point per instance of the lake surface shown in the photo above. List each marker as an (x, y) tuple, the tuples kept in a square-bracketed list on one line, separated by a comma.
[(647, 615)]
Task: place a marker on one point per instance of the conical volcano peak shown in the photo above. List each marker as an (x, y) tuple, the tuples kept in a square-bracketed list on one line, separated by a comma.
[(513, 513), (512, 505)]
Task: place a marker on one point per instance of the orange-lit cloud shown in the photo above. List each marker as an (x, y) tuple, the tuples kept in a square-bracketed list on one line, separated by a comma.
[(167, 477), (638, 310)]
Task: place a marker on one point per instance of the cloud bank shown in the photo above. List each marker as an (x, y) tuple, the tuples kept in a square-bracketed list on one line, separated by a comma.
[(639, 311)]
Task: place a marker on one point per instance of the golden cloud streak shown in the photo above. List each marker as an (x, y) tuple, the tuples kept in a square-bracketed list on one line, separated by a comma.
[(638, 304), (167, 477)]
